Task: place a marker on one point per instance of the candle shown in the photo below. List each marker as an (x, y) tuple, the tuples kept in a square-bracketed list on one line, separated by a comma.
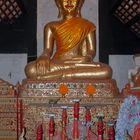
[(88, 120), (88, 115), (100, 126), (75, 129), (39, 132), (64, 115), (111, 132), (76, 108), (17, 110), (21, 116), (51, 127), (64, 122), (76, 118)]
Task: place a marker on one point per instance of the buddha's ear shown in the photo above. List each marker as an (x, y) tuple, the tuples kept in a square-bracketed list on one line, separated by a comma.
[(59, 8), (80, 4)]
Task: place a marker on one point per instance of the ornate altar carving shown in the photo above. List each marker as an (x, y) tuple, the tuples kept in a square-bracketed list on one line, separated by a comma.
[(6, 89), (76, 88), (41, 97), (8, 111)]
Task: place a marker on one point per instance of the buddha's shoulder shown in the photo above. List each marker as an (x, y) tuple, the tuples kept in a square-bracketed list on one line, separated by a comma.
[(87, 21), (52, 24)]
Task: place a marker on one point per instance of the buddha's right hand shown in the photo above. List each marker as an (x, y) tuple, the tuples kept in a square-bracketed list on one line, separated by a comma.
[(42, 65)]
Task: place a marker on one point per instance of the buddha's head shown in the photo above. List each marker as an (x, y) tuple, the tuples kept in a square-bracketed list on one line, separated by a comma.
[(69, 7)]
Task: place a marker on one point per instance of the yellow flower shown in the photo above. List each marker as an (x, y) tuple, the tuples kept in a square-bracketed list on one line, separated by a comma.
[(63, 89), (90, 89)]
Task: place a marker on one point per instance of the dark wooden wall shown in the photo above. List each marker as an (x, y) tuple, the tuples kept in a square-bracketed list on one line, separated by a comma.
[(115, 38), (20, 36)]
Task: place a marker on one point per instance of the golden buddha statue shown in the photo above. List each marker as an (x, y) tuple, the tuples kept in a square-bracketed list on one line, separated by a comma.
[(75, 48)]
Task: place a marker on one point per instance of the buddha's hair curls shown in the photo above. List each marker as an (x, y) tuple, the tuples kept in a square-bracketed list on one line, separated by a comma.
[(80, 3)]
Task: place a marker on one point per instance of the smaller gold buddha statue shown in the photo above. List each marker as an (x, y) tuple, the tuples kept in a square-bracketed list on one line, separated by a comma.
[(133, 87), (134, 74), (75, 48), (136, 78)]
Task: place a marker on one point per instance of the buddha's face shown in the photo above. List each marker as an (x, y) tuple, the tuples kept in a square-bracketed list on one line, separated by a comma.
[(69, 6)]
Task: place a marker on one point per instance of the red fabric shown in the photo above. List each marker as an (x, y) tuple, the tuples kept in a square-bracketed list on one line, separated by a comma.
[(136, 133), (76, 110), (39, 132), (51, 126)]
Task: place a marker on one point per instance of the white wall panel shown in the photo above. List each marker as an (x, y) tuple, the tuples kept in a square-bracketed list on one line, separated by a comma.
[(12, 67), (120, 65)]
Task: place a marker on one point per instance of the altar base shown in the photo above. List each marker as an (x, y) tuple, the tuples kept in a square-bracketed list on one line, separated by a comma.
[(43, 97)]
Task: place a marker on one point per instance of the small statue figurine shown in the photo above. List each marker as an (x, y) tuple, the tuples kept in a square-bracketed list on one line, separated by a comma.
[(22, 136), (134, 74), (75, 48), (136, 78)]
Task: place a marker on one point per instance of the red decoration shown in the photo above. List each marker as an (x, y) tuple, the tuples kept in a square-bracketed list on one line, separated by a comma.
[(51, 128), (88, 115), (100, 128), (64, 122), (76, 110), (75, 129), (39, 132), (63, 133), (16, 93), (88, 119), (21, 116), (64, 117), (76, 118), (111, 133)]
